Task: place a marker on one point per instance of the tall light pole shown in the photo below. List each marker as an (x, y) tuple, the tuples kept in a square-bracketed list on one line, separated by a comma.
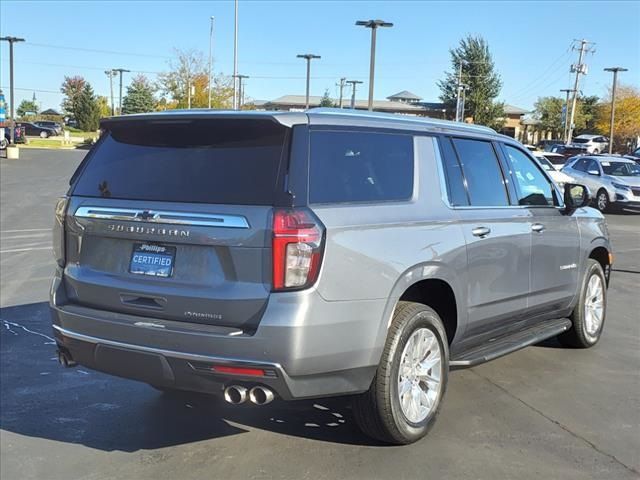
[(353, 92), (235, 59), (373, 25), (111, 74), (11, 41), (121, 71), (308, 57), (615, 71), (210, 56), (579, 69), (566, 114)]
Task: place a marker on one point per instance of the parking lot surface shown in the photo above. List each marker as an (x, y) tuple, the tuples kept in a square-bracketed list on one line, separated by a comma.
[(543, 412)]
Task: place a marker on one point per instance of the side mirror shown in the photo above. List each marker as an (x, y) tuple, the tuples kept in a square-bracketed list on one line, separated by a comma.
[(593, 172), (575, 196)]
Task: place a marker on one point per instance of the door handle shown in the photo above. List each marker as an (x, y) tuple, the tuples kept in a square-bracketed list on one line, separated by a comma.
[(481, 231), (538, 227)]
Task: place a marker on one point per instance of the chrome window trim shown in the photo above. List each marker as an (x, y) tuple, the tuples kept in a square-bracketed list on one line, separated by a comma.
[(163, 216)]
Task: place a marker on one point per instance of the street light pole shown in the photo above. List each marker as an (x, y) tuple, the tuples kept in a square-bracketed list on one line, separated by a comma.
[(210, 56), (235, 59), (615, 71), (121, 71), (308, 57), (566, 114), (353, 92), (11, 41), (241, 90), (373, 25)]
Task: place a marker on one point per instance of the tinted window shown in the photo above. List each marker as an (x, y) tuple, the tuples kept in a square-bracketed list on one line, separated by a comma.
[(209, 161), (620, 169), (360, 167), (482, 172), (592, 166), (453, 172), (532, 186), (581, 165)]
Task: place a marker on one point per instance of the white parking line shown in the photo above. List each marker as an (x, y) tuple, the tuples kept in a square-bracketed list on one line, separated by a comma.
[(16, 250), (27, 230)]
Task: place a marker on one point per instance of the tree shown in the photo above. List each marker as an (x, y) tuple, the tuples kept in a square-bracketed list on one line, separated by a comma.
[(72, 88), (589, 110), (27, 106), (139, 97), (188, 69), (482, 81), (326, 100), (87, 112), (626, 124), (104, 108), (548, 111)]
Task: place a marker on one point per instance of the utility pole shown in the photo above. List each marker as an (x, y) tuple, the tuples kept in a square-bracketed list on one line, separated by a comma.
[(235, 59), (566, 114), (615, 71), (373, 25), (210, 56), (353, 92), (461, 87), (341, 85), (11, 41), (579, 69), (111, 74), (308, 57), (241, 90), (121, 71)]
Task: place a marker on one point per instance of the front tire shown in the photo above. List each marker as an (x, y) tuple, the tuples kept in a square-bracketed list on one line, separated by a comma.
[(404, 399), (44, 134), (589, 314), (602, 200)]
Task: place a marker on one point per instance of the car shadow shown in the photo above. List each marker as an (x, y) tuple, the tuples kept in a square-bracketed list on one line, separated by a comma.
[(39, 398)]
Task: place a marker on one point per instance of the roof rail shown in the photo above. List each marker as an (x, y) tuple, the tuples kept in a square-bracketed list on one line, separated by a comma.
[(405, 118)]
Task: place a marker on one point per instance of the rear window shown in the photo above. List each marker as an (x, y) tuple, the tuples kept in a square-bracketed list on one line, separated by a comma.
[(581, 140), (356, 166), (201, 161)]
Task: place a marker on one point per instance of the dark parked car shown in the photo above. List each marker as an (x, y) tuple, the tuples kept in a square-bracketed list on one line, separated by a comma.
[(546, 145), (50, 124), (33, 130), (569, 150)]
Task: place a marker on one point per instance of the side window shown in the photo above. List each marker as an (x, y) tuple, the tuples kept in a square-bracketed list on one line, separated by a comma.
[(532, 186), (356, 166), (485, 183), (592, 165), (456, 189), (581, 165)]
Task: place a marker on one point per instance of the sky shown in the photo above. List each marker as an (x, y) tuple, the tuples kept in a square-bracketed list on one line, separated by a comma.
[(530, 42)]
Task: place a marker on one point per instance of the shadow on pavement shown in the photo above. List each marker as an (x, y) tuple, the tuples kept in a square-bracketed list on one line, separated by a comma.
[(41, 399)]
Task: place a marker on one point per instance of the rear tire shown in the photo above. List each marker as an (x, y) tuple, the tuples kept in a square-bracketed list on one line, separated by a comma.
[(404, 399), (589, 314)]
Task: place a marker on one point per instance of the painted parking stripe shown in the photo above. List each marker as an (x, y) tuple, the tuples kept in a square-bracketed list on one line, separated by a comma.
[(16, 250), (27, 230)]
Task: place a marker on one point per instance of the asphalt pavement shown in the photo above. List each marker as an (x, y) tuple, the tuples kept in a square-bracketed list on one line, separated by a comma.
[(544, 412)]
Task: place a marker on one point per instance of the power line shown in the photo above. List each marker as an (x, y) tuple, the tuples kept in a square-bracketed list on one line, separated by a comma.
[(94, 50)]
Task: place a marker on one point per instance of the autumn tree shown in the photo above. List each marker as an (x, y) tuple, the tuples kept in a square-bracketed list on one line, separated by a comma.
[(482, 82), (139, 97), (104, 108), (188, 69), (72, 89), (626, 127)]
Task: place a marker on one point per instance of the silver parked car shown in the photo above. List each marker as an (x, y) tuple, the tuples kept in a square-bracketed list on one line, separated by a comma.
[(614, 180), (593, 143), (257, 255)]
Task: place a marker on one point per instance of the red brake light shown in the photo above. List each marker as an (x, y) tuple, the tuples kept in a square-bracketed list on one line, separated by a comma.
[(297, 249), (250, 372)]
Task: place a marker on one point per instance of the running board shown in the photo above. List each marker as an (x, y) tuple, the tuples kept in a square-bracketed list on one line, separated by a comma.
[(500, 346)]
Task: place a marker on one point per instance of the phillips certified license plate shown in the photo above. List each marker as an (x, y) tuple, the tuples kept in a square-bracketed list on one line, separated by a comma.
[(152, 260)]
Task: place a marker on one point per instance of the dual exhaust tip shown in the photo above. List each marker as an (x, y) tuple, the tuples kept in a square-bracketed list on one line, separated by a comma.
[(237, 394)]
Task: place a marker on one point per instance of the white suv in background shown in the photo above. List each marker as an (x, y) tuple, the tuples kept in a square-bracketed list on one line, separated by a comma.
[(594, 143)]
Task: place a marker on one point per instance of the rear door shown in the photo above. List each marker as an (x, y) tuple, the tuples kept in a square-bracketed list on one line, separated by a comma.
[(555, 241), (172, 219), (497, 237)]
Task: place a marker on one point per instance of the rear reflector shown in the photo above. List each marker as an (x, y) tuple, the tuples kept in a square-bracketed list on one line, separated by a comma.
[(250, 372)]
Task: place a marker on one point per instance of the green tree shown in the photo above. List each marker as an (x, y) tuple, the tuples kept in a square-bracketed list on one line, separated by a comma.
[(548, 111), (589, 111), (139, 97), (104, 108), (482, 82), (87, 112), (25, 106), (326, 100), (72, 89)]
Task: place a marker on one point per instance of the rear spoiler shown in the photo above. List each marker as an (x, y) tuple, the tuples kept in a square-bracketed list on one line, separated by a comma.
[(287, 119)]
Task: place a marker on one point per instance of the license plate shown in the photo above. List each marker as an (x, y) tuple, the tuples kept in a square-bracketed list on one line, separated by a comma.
[(152, 260)]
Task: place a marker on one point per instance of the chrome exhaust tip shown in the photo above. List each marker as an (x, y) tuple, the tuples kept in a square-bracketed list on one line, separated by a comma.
[(235, 394), (261, 395), (65, 359)]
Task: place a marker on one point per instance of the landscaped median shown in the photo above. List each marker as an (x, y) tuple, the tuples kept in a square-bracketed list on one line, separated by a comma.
[(76, 139)]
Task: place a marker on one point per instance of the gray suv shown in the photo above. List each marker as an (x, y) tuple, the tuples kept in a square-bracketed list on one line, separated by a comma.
[(262, 255)]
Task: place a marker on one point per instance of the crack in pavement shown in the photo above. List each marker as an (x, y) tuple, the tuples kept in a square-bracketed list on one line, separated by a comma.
[(556, 422), (8, 326)]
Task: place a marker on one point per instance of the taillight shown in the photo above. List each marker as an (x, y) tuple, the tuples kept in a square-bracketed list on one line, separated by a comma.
[(58, 230), (297, 249)]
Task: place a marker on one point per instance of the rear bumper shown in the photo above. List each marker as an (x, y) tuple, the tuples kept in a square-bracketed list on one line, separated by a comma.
[(306, 346)]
